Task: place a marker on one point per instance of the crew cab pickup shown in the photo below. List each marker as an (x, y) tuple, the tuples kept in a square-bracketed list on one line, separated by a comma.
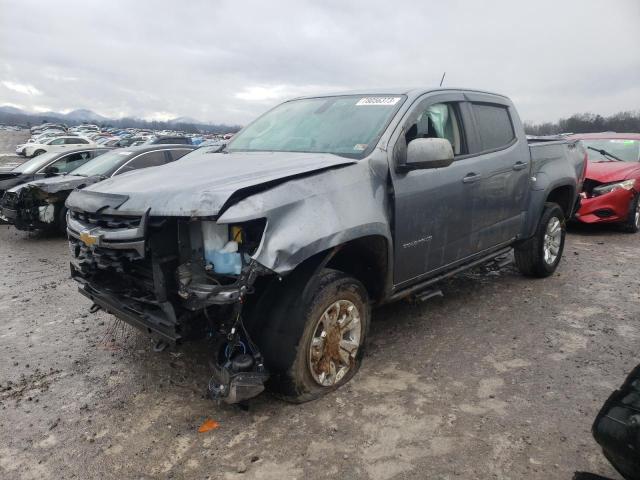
[(276, 246)]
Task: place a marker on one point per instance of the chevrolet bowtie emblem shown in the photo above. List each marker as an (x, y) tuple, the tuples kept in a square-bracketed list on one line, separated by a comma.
[(88, 238)]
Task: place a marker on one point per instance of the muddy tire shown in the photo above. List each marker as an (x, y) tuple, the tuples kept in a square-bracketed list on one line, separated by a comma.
[(632, 225), (540, 255), (61, 221), (331, 319)]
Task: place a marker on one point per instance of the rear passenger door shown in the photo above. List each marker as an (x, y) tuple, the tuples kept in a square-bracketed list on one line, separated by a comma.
[(503, 171)]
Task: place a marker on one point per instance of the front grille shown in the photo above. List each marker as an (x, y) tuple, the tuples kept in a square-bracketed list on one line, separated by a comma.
[(605, 213), (107, 221)]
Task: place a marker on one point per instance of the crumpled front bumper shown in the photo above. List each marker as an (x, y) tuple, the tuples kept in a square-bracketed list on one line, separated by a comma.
[(608, 208), (159, 321)]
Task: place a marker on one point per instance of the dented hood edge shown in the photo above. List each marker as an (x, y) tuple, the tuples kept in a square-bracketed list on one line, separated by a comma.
[(204, 187)]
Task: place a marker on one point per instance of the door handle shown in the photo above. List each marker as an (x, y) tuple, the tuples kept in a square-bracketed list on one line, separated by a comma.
[(471, 177), (520, 165)]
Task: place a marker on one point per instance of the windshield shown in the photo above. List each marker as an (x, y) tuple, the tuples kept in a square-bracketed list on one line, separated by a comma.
[(35, 164), (104, 164), (346, 125), (626, 150)]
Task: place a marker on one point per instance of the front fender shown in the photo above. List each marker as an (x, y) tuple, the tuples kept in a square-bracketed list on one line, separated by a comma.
[(313, 214)]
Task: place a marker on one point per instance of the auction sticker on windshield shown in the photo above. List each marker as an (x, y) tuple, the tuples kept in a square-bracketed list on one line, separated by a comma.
[(378, 101)]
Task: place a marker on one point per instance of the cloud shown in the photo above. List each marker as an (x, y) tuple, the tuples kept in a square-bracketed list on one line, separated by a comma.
[(261, 94), (281, 92), (220, 62), (21, 88)]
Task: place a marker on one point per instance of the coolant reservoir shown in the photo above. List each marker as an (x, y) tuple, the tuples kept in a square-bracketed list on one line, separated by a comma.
[(218, 251), (227, 260)]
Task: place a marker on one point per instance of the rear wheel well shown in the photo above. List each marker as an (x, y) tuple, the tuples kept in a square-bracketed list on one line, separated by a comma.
[(366, 259), (563, 196)]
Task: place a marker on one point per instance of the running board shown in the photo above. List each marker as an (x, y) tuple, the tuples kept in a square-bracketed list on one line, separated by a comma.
[(428, 294), (503, 262), (427, 283)]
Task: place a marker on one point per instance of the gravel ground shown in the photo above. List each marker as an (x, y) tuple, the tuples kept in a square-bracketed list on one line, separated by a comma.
[(501, 378)]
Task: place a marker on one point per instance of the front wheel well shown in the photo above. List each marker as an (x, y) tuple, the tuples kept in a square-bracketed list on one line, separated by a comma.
[(366, 259), (564, 197)]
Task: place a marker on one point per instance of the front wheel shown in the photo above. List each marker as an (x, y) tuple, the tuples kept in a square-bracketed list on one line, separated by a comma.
[(37, 152), (632, 225), (540, 255), (336, 315), (61, 221)]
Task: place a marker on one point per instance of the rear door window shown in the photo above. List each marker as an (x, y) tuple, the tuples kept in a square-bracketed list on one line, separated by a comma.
[(70, 162), (494, 126), (150, 159), (176, 154)]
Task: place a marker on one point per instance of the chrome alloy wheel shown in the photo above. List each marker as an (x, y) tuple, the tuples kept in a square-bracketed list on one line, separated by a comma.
[(636, 220), (552, 240), (335, 343)]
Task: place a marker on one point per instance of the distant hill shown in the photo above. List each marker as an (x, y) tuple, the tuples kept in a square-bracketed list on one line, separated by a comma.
[(16, 116)]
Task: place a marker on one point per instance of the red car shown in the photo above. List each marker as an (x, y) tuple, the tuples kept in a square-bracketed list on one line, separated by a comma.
[(611, 191)]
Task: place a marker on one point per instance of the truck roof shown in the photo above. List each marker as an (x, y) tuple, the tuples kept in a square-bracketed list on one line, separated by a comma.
[(605, 136), (411, 92)]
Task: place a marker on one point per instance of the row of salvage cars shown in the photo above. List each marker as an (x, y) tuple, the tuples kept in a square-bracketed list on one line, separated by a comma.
[(34, 193)]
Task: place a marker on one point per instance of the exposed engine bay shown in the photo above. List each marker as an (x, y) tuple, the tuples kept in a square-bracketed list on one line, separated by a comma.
[(177, 279)]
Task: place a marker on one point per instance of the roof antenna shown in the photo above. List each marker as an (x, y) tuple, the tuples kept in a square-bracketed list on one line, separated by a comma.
[(442, 79)]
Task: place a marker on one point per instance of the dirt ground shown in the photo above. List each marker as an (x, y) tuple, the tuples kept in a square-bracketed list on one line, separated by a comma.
[(501, 378)]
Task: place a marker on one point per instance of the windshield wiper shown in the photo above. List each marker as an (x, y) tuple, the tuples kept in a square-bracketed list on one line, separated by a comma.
[(604, 153)]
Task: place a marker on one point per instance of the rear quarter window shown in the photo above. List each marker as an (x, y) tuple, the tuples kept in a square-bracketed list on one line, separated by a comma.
[(494, 125)]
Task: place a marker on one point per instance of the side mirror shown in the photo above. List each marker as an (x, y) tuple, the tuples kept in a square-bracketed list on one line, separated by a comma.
[(428, 153), (51, 171)]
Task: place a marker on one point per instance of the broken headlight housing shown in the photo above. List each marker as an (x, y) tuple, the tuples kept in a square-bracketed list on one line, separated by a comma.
[(612, 187)]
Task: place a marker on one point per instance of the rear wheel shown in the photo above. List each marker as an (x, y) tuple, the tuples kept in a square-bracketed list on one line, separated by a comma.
[(540, 255), (632, 225), (335, 311)]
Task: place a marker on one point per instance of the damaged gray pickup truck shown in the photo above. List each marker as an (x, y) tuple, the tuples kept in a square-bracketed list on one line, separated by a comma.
[(275, 248)]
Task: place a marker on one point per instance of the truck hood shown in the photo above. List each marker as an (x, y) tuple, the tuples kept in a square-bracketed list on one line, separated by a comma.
[(606, 172), (59, 183), (201, 183)]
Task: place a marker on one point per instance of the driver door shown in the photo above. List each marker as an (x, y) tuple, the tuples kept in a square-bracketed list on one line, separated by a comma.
[(433, 211)]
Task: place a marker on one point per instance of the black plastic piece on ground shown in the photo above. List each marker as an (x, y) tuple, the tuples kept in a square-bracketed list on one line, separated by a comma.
[(617, 427)]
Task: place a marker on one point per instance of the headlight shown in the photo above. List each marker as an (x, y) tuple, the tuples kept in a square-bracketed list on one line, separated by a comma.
[(612, 187)]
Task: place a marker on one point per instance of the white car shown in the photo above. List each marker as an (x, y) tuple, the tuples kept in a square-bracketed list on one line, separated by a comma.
[(57, 144)]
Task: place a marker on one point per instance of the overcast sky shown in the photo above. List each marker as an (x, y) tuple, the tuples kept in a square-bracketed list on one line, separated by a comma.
[(228, 61)]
